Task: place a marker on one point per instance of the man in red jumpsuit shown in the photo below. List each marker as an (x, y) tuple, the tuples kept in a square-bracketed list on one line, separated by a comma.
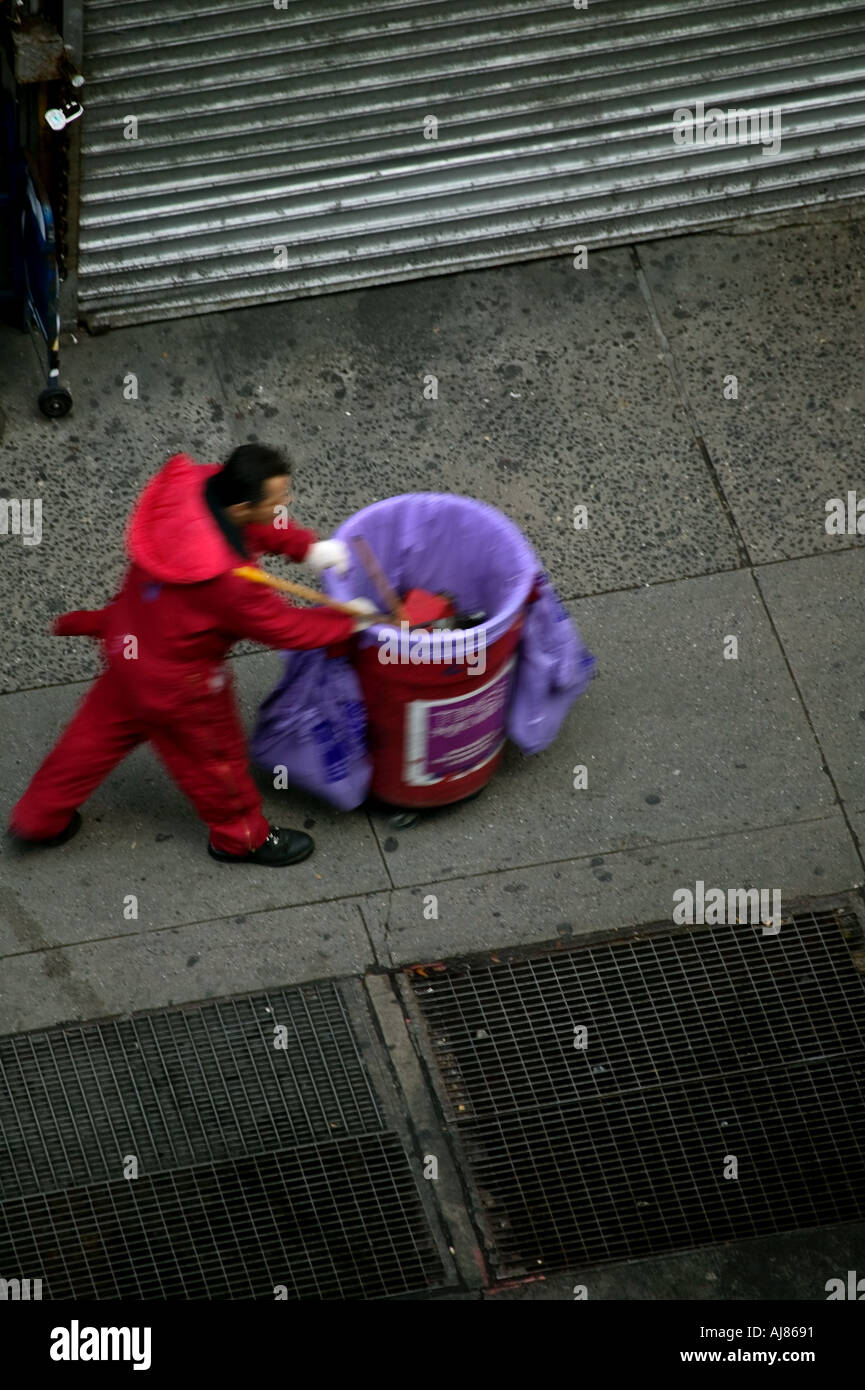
[(164, 637)]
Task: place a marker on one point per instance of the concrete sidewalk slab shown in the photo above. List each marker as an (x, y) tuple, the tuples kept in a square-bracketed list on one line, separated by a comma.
[(551, 392), (178, 403), (84, 505), (142, 838), (857, 821), (782, 311), (616, 892), (375, 910), (87, 470), (678, 743), (24, 375), (155, 969), (816, 606)]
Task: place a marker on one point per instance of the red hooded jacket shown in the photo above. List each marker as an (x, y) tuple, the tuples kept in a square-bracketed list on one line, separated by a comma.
[(180, 608)]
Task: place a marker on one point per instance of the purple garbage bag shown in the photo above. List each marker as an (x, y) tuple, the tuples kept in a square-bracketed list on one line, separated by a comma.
[(554, 668), (439, 540), (313, 724)]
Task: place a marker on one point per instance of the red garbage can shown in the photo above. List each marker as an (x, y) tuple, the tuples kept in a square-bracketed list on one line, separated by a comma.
[(437, 702)]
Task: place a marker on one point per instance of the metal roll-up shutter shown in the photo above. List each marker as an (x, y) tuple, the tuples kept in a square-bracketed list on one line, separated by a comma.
[(303, 129)]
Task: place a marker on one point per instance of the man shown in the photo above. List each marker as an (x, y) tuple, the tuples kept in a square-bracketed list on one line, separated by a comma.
[(164, 638)]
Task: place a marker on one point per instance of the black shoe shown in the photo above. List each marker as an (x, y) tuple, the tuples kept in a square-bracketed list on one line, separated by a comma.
[(65, 834), (280, 848)]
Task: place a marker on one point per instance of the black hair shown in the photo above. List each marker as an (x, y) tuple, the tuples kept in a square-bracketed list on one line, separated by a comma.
[(245, 470)]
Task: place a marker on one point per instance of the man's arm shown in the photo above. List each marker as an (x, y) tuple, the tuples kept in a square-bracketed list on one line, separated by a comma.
[(289, 539), (298, 544), (251, 611), (80, 622)]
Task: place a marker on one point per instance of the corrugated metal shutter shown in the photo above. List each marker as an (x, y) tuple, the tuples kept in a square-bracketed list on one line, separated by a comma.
[(303, 128)]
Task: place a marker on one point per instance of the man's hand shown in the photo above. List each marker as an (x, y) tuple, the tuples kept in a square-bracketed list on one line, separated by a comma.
[(324, 555), (367, 613)]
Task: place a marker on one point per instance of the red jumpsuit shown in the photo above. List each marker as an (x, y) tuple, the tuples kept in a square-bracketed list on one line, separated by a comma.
[(164, 637)]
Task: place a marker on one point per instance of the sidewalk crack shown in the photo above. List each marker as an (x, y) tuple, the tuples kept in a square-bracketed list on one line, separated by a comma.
[(679, 387)]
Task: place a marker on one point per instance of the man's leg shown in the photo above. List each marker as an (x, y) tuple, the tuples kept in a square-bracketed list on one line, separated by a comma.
[(99, 736), (205, 753)]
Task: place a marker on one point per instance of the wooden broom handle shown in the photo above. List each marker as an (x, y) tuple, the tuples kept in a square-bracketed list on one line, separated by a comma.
[(287, 586), (378, 577)]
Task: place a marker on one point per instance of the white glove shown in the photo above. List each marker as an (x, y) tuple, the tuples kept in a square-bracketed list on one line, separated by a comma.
[(367, 612), (324, 555)]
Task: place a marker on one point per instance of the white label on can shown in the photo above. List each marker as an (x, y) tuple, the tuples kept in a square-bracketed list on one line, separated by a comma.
[(456, 736)]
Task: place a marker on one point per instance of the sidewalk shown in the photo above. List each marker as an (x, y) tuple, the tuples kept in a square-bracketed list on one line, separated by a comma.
[(556, 387)]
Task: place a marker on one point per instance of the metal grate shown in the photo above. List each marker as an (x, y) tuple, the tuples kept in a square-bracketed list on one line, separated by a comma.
[(327, 1221), (258, 1165), (178, 1088), (714, 1043)]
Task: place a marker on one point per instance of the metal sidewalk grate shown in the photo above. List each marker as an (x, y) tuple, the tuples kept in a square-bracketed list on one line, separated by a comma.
[(257, 1165), (181, 1087), (711, 1043), (327, 1221)]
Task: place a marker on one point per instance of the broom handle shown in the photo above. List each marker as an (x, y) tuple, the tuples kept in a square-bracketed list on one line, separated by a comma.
[(287, 586), (378, 577)]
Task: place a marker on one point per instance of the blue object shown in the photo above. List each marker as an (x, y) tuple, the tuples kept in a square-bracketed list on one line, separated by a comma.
[(41, 282)]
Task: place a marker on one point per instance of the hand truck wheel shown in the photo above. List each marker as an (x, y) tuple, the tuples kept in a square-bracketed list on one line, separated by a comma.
[(55, 401)]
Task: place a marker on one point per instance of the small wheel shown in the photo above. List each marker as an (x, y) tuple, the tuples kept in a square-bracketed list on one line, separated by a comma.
[(55, 401), (404, 820)]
